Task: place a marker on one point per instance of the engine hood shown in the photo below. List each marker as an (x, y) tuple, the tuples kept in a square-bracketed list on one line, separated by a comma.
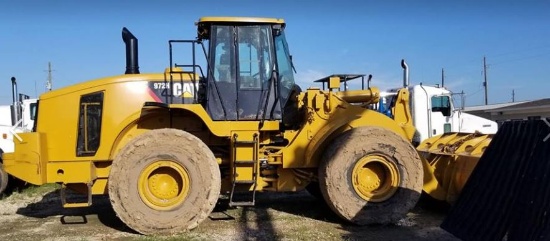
[(470, 123)]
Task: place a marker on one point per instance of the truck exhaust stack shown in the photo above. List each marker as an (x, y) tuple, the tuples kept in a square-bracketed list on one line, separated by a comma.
[(405, 73), (131, 43), (15, 107)]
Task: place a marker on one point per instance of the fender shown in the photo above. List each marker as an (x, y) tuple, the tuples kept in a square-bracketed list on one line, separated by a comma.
[(157, 115), (329, 116), (339, 126), (149, 117)]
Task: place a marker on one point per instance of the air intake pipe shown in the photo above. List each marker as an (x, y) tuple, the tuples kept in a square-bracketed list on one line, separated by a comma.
[(131, 43), (405, 73)]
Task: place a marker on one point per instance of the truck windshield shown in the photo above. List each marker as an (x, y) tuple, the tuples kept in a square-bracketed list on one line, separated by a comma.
[(284, 65)]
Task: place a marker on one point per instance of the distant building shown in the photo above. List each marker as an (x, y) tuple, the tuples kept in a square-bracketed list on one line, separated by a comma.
[(521, 110)]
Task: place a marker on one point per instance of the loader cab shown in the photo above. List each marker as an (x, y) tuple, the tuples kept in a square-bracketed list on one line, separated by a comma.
[(249, 75)]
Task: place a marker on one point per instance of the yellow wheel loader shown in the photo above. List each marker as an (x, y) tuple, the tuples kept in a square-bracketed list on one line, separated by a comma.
[(165, 146)]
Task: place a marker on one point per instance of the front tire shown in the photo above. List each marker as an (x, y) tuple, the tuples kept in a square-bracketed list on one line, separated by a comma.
[(164, 181), (371, 175)]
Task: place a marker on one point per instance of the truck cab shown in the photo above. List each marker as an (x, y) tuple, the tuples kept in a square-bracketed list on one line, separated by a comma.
[(434, 113), (16, 118)]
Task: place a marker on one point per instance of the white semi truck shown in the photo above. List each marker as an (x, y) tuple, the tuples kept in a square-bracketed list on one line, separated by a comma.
[(434, 112), (15, 118)]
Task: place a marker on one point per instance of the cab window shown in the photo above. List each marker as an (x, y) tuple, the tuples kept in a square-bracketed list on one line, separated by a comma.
[(33, 111), (89, 124), (441, 104), (254, 56)]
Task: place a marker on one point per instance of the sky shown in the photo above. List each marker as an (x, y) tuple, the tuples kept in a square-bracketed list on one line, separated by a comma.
[(82, 40)]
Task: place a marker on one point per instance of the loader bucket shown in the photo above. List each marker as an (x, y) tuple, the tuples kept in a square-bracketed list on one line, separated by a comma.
[(508, 192), (449, 161)]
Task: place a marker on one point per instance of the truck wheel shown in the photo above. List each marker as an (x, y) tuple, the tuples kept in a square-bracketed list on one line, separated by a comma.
[(3, 179), (164, 181), (371, 175)]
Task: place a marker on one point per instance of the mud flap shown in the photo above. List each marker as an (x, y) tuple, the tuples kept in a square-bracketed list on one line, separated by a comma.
[(508, 192)]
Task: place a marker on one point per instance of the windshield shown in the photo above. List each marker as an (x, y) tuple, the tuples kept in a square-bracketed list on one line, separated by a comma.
[(254, 56), (242, 63), (284, 65)]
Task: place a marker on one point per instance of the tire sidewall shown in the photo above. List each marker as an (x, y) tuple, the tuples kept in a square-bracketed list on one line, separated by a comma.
[(182, 148), (3, 178), (132, 185), (340, 160)]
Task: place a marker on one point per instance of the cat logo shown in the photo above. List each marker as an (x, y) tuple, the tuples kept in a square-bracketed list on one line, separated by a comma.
[(179, 89), (185, 91)]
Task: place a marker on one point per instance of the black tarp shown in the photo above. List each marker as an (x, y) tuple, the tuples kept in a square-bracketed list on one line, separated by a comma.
[(508, 193)]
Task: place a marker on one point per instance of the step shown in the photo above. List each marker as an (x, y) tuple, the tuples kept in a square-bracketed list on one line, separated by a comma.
[(244, 181), (65, 204), (244, 142), (244, 162), (241, 203)]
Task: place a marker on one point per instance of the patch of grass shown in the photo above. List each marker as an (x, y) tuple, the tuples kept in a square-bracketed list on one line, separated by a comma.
[(32, 190), (188, 236)]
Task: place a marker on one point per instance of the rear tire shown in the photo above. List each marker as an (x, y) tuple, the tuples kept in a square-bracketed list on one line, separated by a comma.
[(3, 179), (164, 181), (371, 175)]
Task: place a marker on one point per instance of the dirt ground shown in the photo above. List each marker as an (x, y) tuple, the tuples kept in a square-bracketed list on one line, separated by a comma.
[(38, 215)]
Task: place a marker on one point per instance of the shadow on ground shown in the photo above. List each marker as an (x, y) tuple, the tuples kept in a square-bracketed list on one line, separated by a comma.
[(50, 206), (421, 223), (264, 220)]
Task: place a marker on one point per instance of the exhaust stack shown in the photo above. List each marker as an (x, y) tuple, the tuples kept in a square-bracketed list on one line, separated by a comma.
[(15, 107), (131, 43), (405, 73)]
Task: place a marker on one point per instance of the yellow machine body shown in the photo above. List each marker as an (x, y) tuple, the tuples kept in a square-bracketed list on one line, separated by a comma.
[(449, 160), (49, 155)]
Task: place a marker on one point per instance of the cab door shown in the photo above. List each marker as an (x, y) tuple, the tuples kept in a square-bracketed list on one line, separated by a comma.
[(441, 115)]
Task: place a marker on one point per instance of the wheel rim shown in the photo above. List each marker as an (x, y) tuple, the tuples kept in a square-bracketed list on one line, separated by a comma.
[(163, 185), (374, 178)]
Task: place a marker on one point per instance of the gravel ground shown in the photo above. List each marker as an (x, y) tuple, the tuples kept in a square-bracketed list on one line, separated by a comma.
[(38, 215)]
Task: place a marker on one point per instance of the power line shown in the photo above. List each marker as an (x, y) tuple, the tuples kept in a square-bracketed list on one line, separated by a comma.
[(478, 90)]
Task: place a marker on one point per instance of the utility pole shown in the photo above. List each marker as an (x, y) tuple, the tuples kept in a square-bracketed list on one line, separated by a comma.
[(442, 77), (485, 80), (49, 82), (462, 99), (513, 95)]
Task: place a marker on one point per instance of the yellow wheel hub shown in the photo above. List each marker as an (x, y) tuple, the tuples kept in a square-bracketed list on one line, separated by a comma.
[(374, 178), (163, 185)]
